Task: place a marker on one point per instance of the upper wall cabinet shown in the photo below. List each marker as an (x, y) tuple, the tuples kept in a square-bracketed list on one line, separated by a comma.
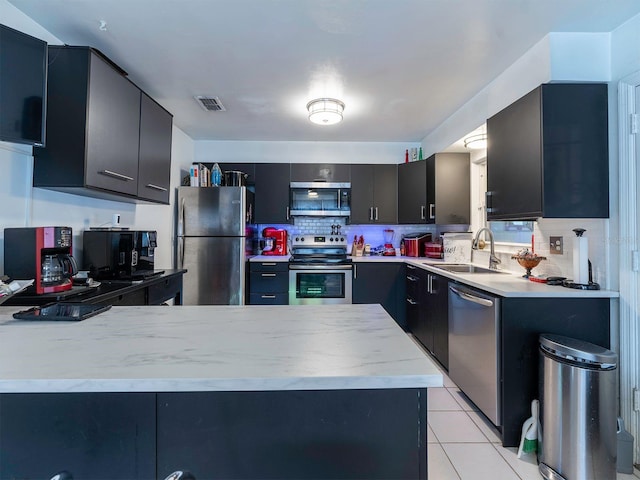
[(23, 80), (436, 190), (105, 138), (374, 193), (547, 155), (320, 172)]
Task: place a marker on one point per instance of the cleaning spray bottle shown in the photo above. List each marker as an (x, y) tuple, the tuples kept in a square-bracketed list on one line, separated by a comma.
[(529, 438)]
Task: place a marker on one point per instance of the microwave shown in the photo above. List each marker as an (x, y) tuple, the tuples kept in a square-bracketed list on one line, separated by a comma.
[(119, 254), (320, 199)]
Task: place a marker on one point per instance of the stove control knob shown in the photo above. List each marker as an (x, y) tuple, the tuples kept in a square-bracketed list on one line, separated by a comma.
[(302, 239), (331, 239), (342, 239)]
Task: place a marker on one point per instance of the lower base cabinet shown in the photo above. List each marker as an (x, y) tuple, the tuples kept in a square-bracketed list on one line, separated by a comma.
[(427, 310), (268, 283), (383, 283), (91, 435), (328, 434)]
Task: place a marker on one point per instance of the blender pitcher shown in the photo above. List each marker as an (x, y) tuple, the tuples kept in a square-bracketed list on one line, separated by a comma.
[(388, 235)]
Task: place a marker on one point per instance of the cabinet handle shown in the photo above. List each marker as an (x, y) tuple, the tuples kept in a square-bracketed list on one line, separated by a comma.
[(432, 213), (355, 272), (156, 187), (268, 296), (288, 216), (411, 267), (376, 213), (488, 202), (117, 175), (268, 274), (268, 264), (370, 213), (430, 283), (423, 212), (412, 279), (411, 302)]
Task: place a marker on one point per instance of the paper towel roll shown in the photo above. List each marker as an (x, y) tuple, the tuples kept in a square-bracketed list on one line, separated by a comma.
[(581, 260)]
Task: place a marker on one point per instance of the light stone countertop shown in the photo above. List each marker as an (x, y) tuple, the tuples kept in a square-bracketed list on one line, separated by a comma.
[(506, 284), (212, 348)]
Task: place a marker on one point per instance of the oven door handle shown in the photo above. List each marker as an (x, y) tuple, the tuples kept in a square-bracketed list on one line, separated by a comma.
[(327, 268)]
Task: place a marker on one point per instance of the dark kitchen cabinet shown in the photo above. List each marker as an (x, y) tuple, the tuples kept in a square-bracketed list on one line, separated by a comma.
[(154, 159), (272, 193), (374, 193), (268, 283), (412, 192), (320, 172), (449, 189), (90, 435), (436, 190), (415, 285), (428, 311), (436, 317), (383, 283), (94, 129), (547, 155), (328, 434)]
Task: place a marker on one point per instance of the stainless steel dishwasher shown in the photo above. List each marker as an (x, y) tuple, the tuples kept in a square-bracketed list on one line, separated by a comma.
[(474, 345)]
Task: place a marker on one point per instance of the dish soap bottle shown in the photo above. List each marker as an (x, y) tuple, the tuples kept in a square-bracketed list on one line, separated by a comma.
[(216, 176)]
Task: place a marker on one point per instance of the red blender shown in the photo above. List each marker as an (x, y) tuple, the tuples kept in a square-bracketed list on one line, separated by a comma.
[(388, 234)]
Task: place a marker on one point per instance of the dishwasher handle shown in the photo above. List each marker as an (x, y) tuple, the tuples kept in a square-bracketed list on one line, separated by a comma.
[(471, 298)]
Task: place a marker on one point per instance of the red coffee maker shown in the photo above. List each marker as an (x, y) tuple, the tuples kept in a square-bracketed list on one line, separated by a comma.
[(42, 254), (278, 240)]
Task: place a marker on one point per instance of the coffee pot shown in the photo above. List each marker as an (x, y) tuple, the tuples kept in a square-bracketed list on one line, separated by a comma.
[(57, 269)]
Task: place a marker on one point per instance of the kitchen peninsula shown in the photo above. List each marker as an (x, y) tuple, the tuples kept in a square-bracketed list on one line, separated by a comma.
[(224, 392)]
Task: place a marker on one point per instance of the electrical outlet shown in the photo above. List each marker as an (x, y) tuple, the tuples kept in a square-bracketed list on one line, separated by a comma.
[(556, 245)]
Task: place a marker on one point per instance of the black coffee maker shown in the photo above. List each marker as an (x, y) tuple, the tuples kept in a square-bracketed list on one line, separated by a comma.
[(42, 254)]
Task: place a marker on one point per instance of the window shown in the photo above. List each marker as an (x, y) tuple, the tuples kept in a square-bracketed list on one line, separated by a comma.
[(512, 232)]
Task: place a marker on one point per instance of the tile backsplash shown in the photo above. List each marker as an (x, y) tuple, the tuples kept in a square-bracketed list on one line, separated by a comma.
[(556, 264)]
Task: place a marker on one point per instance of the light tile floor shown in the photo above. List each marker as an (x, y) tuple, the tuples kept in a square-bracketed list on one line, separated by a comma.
[(463, 445)]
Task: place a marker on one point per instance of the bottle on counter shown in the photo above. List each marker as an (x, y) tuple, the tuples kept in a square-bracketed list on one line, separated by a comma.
[(420, 154), (406, 156), (216, 176), (402, 249)]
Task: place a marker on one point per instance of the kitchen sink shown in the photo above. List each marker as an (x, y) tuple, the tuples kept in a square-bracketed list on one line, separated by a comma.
[(463, 268)]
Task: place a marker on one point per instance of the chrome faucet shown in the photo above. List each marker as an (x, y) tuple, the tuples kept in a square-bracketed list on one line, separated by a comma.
[(493, 260)]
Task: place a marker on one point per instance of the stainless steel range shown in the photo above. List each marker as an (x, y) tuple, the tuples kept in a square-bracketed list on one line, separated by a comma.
[(319, 270)]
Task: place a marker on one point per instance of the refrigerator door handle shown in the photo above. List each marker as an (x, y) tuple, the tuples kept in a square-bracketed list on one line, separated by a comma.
[(181, 218), (180, 252)]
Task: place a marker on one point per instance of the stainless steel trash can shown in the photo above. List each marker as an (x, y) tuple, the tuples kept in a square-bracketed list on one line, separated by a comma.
[(578, 413)]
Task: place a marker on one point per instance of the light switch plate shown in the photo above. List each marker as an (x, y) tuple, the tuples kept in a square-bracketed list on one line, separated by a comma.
[(556, 245)]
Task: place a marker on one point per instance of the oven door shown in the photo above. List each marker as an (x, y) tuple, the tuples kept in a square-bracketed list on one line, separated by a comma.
[(320, 284)]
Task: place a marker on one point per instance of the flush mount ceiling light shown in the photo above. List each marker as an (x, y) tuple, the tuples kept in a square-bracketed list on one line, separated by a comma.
[(476, 142), (325, 111)]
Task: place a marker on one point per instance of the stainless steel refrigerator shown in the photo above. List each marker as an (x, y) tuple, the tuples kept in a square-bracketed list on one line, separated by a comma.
[(214, 230)]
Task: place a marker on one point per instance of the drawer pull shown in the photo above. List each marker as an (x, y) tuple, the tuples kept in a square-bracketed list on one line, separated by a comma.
[(411, 278), (411, 302), (268, 274), (268, 264), (117, 175), (268, 296), (156, 187)]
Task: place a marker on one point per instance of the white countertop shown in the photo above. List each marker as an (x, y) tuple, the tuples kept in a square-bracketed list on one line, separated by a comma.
[(510, 284), (506, 284), (213, 348)]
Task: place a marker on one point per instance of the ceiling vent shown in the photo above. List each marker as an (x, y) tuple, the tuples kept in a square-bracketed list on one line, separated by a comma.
[(210, 104)]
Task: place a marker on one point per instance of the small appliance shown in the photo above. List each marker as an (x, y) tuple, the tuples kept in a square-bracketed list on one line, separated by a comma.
[(110, 254), (388, 235), (275, 240), (42, 254), (319, 199), (414, 243)]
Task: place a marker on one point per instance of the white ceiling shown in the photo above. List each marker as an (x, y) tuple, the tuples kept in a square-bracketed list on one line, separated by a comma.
[(401, 66)]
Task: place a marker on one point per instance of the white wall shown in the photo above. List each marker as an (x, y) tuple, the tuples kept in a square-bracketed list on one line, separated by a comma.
[(301, 152)]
